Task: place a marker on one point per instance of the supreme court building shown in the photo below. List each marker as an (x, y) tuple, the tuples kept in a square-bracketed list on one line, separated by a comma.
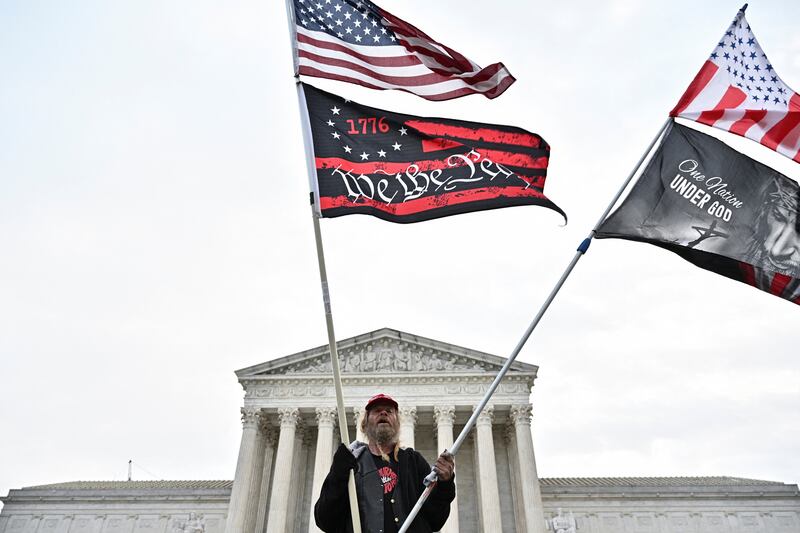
[(289, 434)]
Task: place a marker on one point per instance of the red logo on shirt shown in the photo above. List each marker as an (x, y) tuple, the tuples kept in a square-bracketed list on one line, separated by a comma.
[(389, 479)]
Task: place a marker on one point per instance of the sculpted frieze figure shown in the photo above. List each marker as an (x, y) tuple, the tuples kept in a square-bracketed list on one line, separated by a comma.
[(387, 357), (562, 523), (195, 524), (402, 361), (367, 361)]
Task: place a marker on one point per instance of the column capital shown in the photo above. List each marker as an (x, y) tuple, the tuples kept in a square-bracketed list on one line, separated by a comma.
[(408, 414), (270, 435), (263, 422), (250, 416), (444, 415), (521, 414), (510, 433), (486, 417), (326, 416), (289, 416)]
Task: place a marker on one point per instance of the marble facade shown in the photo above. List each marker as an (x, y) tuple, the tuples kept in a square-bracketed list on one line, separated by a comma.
[(437, 386), (289, 433), (116, 507)]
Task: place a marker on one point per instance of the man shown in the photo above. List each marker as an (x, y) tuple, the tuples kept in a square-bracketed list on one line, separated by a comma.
[(389, 479)]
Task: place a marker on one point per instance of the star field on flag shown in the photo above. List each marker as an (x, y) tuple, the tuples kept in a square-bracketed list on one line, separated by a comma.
[(738, 90)]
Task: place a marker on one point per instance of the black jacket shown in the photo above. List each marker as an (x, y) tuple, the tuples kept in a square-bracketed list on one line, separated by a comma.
[(332, 510)]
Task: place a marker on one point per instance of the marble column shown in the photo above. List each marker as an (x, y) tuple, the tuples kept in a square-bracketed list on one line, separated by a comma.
[(408, 421), (33, 525), (237, 509), (726, 520), (628, 522), (487, 469), (99, 522), (733, 520), (270, 438), (663, 522), (279, 498), (696, 519), (476, 467), (163, 522), (516, 486), (528, 477), (444, 416), (254, 491), (326, 421), (594, 523), (66, 523), (297, 484), (358, 412)]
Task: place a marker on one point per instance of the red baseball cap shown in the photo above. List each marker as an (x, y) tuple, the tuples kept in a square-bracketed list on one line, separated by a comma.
[(380, 398)]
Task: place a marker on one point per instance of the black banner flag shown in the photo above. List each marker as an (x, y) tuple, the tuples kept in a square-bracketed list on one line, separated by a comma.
[(717, 208), (404, 168)]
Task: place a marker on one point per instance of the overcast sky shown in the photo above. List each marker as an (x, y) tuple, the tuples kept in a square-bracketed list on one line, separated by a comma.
[(155, 236)]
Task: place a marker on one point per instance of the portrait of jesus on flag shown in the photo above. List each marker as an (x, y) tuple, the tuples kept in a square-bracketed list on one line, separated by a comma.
[(717, 208)]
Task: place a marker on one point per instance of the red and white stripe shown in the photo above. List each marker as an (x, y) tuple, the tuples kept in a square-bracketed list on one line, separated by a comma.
[(420, 67), (713, 98)]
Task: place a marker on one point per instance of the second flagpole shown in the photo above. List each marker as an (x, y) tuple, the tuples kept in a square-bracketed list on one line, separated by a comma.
[(430, 481)]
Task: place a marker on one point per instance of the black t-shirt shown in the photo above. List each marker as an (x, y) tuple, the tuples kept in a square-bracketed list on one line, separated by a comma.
[(387, 472)]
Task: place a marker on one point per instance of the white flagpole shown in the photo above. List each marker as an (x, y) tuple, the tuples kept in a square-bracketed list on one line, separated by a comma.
[(323, 273), (430, 480)]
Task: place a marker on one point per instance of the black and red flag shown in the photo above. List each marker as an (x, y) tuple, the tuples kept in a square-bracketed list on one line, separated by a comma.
[(717, 208), (404, 168)]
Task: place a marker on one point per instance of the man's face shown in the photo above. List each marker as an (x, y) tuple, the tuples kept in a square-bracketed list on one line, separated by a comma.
[(383, 425), (783, 239)]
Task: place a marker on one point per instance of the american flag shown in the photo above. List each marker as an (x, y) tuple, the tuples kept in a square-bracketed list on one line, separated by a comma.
[(358, 42), (739, 91)]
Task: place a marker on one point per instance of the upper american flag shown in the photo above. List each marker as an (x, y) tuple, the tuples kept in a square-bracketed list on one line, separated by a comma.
[(358, 42), (738, 90)]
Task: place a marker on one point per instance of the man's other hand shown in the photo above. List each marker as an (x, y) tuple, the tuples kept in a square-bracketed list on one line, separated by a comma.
[(444, 466)]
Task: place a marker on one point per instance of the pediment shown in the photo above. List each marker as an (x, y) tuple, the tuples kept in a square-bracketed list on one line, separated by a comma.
[(386, 351)]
